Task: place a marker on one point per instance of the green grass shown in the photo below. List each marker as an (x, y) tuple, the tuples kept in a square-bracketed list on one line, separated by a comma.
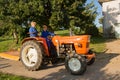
[(62, 32), (98, 44), (7, 44), (4, 45), (12, 77)]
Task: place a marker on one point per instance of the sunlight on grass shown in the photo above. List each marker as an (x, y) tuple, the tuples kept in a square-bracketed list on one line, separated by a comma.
[(98, 44), (62, 32), (12, 77), (7, 44), (4, 45)]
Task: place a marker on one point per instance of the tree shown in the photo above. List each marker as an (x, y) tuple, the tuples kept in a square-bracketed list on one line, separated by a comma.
[(54, 13), (101, 20), (16, 12), (90, 16), (66, 13), (72, 13)]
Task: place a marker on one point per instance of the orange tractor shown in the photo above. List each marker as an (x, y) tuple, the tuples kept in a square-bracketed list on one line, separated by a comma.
[(75, 50)]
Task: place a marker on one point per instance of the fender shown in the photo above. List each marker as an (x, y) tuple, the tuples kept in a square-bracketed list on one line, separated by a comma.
[(40, 40)]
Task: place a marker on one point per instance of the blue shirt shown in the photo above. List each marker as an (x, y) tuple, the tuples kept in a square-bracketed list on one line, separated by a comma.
[(44, 34), (33, 32)]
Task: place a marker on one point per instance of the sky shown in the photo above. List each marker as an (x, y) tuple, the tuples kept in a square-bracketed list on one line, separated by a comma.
[(99, 11)]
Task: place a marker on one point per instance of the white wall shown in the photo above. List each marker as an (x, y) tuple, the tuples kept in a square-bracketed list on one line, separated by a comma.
[(111, 12)]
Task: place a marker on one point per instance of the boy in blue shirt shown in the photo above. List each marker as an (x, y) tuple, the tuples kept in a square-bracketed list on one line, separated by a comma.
[(32, 31), (45, 33)]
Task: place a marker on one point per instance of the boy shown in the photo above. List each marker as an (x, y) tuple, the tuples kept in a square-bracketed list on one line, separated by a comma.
[(32, 31)]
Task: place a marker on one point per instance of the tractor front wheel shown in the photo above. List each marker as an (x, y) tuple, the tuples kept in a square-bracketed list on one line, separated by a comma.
[(31, 55), (76, 64)]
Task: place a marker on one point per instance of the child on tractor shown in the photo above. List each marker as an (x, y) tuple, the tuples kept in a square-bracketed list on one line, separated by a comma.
[(32, 31), (47, 35)]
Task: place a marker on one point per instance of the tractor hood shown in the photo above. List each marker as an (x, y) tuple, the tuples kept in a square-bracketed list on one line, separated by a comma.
[(70, 39)]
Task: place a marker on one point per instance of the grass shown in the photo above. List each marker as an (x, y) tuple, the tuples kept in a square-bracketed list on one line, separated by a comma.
[(6, 44), (98, 44), (12, 77), (62, 32)]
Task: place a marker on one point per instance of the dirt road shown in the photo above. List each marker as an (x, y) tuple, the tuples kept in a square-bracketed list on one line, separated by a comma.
[(106, 67)]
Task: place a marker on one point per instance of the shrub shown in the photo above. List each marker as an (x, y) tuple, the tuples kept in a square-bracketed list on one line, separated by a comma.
[(92, 31)]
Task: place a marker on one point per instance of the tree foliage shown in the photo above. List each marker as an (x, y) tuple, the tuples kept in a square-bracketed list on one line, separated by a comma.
[(55, 13)]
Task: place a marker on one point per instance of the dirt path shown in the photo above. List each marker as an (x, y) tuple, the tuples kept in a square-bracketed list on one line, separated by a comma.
[(106, 67)]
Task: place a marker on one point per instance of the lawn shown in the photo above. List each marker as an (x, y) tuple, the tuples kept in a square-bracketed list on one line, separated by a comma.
[(98, 44), (12, 77), (62, 32), (7, 43)]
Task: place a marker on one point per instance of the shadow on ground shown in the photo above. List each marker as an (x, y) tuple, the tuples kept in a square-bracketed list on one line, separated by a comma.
[(50, 65), (94, 72), (4, 65)]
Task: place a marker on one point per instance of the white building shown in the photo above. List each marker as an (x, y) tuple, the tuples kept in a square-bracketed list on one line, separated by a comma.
[(111, 20)]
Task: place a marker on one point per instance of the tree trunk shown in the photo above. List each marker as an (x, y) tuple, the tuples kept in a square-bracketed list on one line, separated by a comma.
[(15, 36)]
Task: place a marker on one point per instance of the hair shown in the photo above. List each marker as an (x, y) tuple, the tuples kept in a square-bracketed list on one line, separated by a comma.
[(33, 23), (44, 26)]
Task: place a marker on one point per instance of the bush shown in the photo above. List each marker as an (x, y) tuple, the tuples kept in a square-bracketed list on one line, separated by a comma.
[(77, 30), (23, 33), (92, 31)]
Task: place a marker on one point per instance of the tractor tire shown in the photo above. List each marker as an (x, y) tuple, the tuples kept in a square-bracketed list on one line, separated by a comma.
[(31, 55), (76, 65), (90, 62)]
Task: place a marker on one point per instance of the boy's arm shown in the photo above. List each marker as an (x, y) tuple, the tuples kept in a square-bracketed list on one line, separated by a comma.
[(35, 31)]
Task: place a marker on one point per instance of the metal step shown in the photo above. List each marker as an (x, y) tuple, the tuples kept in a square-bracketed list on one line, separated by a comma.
[(9, 56)]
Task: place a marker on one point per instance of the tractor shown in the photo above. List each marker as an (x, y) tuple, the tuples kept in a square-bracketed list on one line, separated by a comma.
[(74, 49)]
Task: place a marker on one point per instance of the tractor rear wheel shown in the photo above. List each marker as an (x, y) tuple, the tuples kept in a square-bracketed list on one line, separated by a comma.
[(31, 55), (76, 64)]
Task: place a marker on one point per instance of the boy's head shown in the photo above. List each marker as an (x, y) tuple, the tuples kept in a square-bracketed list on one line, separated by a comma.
[(33, 24), (44, 27)]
